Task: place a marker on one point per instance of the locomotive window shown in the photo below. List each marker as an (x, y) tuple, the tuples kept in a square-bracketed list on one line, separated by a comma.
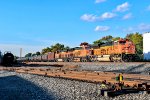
[(122, 42)]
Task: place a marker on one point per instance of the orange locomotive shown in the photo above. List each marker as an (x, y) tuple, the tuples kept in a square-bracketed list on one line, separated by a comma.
[(121, 50)]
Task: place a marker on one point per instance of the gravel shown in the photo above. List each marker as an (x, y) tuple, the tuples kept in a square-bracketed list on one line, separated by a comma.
[(15, 86), (131, 68), (124, 67)]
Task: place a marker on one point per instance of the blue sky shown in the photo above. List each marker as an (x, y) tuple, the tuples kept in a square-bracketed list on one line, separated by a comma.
[(35, 24)]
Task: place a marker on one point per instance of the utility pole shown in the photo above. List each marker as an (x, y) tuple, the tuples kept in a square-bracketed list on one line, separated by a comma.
[(20, 52)]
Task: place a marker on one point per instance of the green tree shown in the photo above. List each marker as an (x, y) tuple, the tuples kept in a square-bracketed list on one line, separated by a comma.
[(37, 53), (116, 38), (67, 48), (45, 50), (98, 41), (137, 39), (28, 55), (57, 47), (54, 48), (108, 38), (33, 54)]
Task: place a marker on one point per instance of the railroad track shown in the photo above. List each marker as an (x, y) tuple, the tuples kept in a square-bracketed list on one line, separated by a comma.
[(133, 83), (110, 77), (104, 62)]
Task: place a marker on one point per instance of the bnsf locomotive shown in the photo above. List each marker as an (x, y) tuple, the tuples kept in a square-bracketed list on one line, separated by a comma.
[(117, 51)]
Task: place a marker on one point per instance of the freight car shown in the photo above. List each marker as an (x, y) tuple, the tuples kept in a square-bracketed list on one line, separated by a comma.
[(117, 51)]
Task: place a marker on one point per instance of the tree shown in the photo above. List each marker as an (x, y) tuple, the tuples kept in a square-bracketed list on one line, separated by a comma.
[(108, 38), (98, 41), (54, 48), (57, 47), (116, 38), (28, 55), (45, 50), (37, 53), (137, 39), (67, 48), (33, 54)]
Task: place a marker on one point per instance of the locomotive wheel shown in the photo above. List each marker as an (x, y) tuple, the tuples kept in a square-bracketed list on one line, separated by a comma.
[(111, 58), (69, 60), (130, 58), (81, 60), (125, 58), (85, 60), (64, 60), (56, 60), (93, 60)]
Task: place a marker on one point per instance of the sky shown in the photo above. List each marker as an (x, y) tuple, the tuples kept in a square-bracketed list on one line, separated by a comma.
[(36, 24)]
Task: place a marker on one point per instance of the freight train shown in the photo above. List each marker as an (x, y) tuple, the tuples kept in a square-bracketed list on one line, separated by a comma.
[(116, 51), (7, 59)]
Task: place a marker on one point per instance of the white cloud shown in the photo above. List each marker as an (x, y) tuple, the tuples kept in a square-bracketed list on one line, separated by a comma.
[(107, 15), (123, 7), (89, 17), (99, 1), (92, 18), (144, 27), (127, 16), (102, 28), (138, 28)]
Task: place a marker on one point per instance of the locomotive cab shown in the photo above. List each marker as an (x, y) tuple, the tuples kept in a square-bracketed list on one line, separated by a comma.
[(124, 50), (126, 46)]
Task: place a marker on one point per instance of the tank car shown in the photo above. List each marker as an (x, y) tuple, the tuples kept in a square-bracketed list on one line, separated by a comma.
[(8, 59)]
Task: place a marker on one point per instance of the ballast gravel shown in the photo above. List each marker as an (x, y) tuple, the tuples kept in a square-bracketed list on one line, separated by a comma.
[(130, 68), (15, 86)]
